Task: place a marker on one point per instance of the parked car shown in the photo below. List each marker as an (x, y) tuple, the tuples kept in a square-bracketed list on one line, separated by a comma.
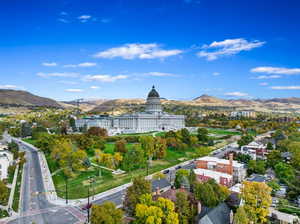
[(166, 171)]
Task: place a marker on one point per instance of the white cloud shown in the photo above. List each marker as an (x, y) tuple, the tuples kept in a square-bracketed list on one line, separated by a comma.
[(276, 70), (58, 74), (228, 47), (236, 94), (268, 77), (263, 84), (84, 65), (84, 18), (160, 74), (68, 82), (94, 87), (63, 20), (216, 74), (8, 87), (141, 51), (63, 13), (104, 78), (285, 87), (49, 64), (74, 90)]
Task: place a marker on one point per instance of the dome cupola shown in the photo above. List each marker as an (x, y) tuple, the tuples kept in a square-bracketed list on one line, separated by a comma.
[(153, 92)]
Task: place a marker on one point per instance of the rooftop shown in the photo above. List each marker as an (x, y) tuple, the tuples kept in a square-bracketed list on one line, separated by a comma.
[(211, 173), (223, 161)]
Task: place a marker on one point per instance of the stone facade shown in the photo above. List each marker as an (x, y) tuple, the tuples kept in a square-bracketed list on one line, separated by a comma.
[(153, 119)]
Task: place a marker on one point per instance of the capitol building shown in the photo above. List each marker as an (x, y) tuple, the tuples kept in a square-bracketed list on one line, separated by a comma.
[(153, 119)]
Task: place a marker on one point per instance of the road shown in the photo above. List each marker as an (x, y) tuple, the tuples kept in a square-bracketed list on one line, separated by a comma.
[(34, 207)]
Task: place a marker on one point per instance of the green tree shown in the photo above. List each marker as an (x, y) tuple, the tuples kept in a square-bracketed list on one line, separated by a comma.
[(269, 146), (245, 140), (185, 136), (107, 213), (202, 134), (273, 158), (205, 193), (160, 147), (240, 216), (139, 187), (284, 171), (183, 208), (181, 177), (274, 185)]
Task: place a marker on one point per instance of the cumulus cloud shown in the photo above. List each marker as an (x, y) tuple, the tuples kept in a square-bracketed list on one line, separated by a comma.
[(58, 74), (84, 18), (268, 77), (94, 87), (74, 90), (216, 74), (104, 78), (49, 64), (236, 94), (141, 51), (263, 84), (276, 70), (63, 20), (84, 65), (285, 87), (8, 87), (228, 47)]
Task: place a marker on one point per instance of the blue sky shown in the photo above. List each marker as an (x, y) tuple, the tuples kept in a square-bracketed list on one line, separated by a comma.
[(68, 49)]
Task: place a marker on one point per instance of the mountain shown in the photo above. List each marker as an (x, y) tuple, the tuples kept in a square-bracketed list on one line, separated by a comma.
[(210, 100), (23, 98)]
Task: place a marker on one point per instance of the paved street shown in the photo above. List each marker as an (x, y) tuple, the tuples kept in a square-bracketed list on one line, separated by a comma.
[(34, 207)]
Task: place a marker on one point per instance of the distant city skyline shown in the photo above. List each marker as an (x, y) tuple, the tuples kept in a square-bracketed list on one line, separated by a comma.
[(68, 49)]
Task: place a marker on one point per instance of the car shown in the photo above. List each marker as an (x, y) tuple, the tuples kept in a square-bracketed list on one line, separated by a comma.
[(178, 167), (166, 171)]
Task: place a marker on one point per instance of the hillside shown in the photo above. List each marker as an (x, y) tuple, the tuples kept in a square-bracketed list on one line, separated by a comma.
[(23, 98)]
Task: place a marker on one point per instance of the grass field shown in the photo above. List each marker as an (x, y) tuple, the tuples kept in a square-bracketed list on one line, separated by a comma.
[(16, 199), (217, 131)]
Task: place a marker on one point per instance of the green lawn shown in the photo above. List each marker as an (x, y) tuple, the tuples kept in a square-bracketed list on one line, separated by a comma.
[(30, 141), (16, 199), (217, 131), (78, 186), (110, 147), (3, 213)]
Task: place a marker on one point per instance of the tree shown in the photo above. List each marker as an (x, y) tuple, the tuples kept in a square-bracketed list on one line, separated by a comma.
[(202, 134), (274, 185), (257, 200), (181, 177), (68, 157), (240, 216), (258, 166), (120, 146), (193, 141), (97, 131), (205, 193), (134, 158), (269, 146), (185, 135), (160, 147), (107, 213), (284, 172), (3, 193), (273, 158), (183, 208), (245, 140), (192, 180), (161, 211), (139, 187), (14, 149)]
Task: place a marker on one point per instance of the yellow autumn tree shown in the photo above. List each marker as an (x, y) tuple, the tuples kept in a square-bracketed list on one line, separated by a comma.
[(155, 212), (257, 200)]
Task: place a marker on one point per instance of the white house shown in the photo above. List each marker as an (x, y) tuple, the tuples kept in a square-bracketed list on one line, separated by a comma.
[(6, 159)]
